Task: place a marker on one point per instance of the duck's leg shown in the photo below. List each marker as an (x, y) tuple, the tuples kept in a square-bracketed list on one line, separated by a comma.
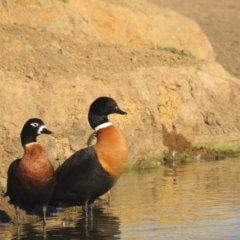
[(90, 208), (44, 232), (18, 232), (85, 209), (44, 208), (109, 201), (17, 208), (109, 196)]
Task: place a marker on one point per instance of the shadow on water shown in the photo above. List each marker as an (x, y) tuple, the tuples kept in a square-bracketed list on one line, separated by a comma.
[(101, 226), (4, 218)]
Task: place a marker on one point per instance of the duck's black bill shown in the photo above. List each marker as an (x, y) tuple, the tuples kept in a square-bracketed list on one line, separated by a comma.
[(46, 131), (119, 111)]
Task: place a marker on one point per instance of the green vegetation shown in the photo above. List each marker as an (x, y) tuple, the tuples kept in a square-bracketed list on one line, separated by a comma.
[(233, 146), (147, 163), (175, 51), (174, 158), (199, 152), (170, 158), (65, 1)]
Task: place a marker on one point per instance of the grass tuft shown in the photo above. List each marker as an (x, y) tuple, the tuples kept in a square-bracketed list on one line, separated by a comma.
[(175, 51)]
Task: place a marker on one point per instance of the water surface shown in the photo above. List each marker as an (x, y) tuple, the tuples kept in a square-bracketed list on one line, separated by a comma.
[(194, 201)]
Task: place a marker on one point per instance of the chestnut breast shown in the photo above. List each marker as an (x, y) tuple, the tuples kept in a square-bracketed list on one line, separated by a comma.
[(35, 169), (111, 148)]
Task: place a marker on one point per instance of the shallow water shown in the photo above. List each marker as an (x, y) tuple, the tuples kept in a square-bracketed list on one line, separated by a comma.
[(193, 201)]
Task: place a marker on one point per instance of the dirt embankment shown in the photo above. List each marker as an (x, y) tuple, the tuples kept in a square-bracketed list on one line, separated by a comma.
[(219, 20), (57, 57)]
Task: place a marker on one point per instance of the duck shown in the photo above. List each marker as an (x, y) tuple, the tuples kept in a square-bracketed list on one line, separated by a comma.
[(93, 171), (31, 179)]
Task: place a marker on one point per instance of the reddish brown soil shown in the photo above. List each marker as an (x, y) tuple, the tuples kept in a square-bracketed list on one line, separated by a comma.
[(177, 143)]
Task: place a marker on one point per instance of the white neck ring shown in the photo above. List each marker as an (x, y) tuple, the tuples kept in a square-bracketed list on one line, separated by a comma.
[(103, 125)]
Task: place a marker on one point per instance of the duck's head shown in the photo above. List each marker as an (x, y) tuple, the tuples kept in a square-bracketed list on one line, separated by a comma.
[(31, 129), (100, 109)]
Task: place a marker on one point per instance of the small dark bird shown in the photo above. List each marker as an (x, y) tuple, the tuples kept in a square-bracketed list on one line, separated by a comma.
[(92, 171), (31, 179)]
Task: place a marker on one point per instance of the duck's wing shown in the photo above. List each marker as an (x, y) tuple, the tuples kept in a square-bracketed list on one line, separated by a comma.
[(12, 179), (80, 161), (76, 175)]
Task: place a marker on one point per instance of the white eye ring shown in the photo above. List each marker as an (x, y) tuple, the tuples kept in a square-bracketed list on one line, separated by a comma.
[(34, 124)]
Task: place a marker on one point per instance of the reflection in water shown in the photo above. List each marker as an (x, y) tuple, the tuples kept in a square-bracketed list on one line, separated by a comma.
[(199, 200), (30, 231), (102, 226), (193, 201)]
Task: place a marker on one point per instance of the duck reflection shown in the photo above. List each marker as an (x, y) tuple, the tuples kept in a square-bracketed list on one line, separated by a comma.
[(31, 231), (101, 226)]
